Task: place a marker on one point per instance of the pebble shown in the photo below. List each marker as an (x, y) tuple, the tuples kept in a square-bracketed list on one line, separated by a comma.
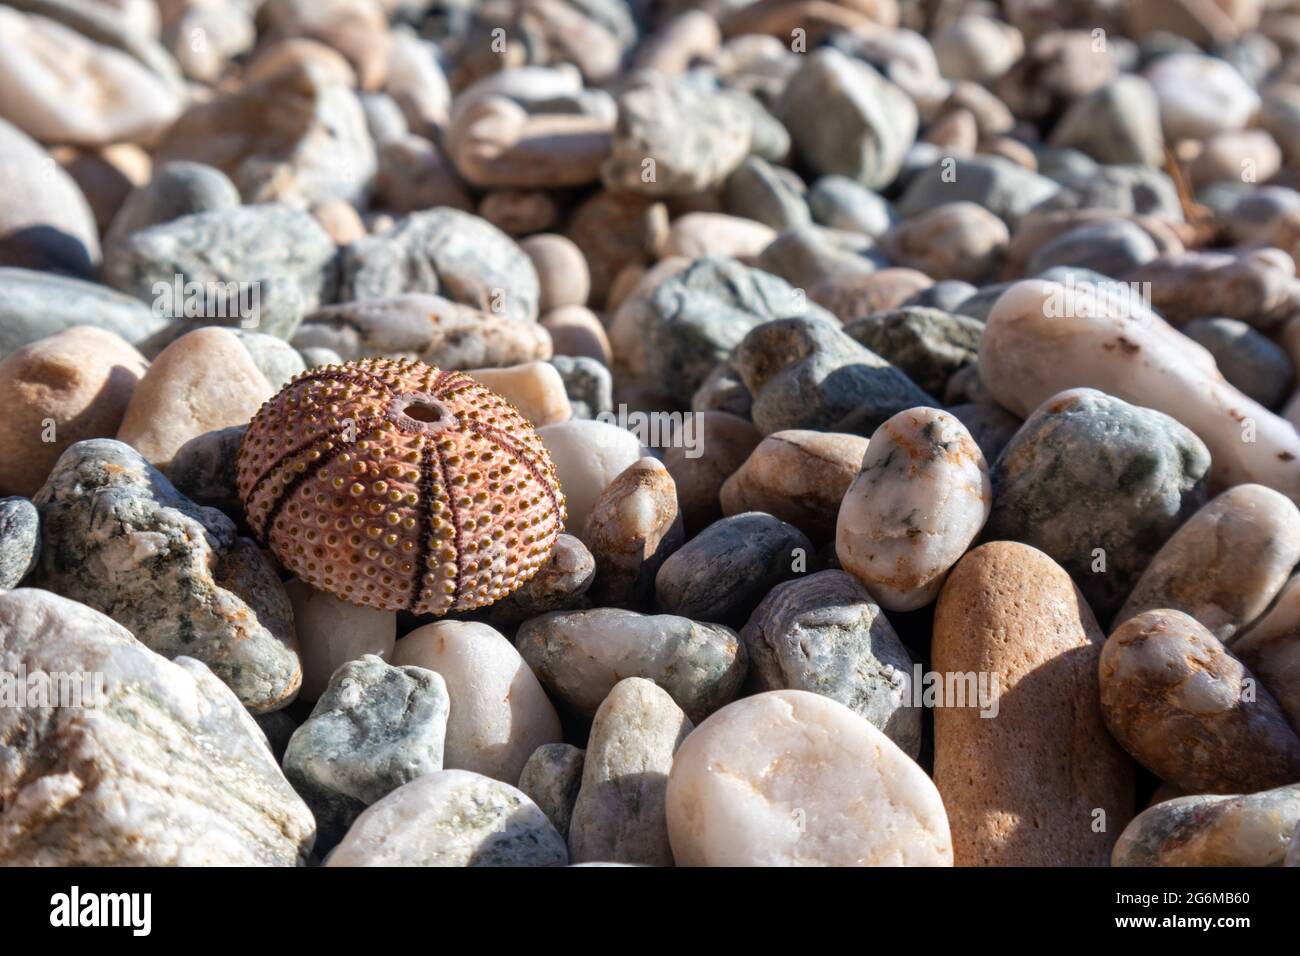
[(551, 779), (587, 382), (957, 240), (45, 220), (562, 272), (332, 633), (798, 476), (58, 390), (920, 498), (587, 455), (375, 728), (576, 330), (534, 388), (797, 779), (725, 570), (990, 425), (700, 477), (825, 634), (1110, 247), (519, 212), (1249, 360), (1023, 787), (118, 537), (166, 770), (175, 190), (698, 315), (1101, 516), (499, 712), (20, 540), (1124, 349), (812, 255), (839, 202), (807, 373), (559, 584), (452, 818), (412, 174), (443, 251), (34, 305), (1209, 830), (771, 195), (1268, 647), (202, 381), (580, 655), (632, 529), (1225, 564), (698, 234), (358, 29), (848, 120), (857, 294), (1003, 188), (1116, 124), (619, 815), (615, 230), (203, 470), (929, 344), (1200, 95), (1188, 710), (674, 138)]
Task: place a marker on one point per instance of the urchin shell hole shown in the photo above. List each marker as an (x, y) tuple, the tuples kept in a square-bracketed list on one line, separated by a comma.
[(420, 412)]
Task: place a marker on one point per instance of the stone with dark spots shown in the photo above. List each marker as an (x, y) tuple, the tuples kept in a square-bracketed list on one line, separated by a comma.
[(824, 633), (928, 344), (1099, 485), (203, 469), (20, 540), (808, 373), (587, 382), (724, 571)]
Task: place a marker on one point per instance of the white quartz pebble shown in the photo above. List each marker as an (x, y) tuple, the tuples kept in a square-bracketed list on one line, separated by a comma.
[(588, 455)]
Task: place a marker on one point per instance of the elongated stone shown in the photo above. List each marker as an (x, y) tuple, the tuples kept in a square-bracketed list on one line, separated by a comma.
[(1271, 649), (1208, 830)]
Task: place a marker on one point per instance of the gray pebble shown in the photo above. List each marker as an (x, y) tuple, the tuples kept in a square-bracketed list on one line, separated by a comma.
[(992, 426), (928, 344), (768, 194), (1110, 248), (20, 540), (1003, 188), (1118, 123), (843, 203), (1252, 362), (804, 257), (551, 779), (587, 382), (177, 189), (34, 305), (203, 469)]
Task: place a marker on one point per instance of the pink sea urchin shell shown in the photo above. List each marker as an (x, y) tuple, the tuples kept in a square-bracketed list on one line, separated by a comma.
[(395, 485)]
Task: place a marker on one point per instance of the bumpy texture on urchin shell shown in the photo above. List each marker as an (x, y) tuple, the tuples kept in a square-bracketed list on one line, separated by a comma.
[(395, 485)]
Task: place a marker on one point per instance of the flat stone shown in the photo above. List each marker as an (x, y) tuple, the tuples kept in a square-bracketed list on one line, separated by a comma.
[(1225, 564), (1190, 711), (998, 185), (580, 656), (499, 712), (374, 729), (1022, 788), (1249, 360), (619, 816), (724, 571), (825, 634), (957, 240), (1099, 485), (796, 779), (166, 769), (452, 818)]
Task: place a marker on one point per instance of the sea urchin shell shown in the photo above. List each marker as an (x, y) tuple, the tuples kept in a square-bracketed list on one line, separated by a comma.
[(395, 485)]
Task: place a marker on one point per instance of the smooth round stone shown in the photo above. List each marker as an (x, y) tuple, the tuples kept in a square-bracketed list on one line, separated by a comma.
[(176, 772), (958, 240), (561, 271), (1117, 124), (798, 476), (990, 425), (1200, 95), (204, 380), (1007, 190), (1254, 284), (74, 385), (588, 455), (1188, 710), (176, 189), (577, 331), (700, 475), (1208, 830), (558, 584), (587, 382), (20, 540), (1112, 247), (767, 194), (375, 728), (332, 633), (843, 203), (275, 358), (1119, 346), (921, 496), (846, 119), (825, 634), (356, 28), (1098, 485), (534, 388), (977, 48), (929, 344), (63, 87), (413, 174), (1023, 785), (551, 779), (631, 531), (1228, 157), (499, 712), (203, 470), (634, 314), (45, 220), (808, 373), (1225, 564), (619, 816), (854, 295), (699, 234), (721, 573), (796, 779), (615, 230), (1250, 361), (452, 818), (1271, 649), (581, 655)]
